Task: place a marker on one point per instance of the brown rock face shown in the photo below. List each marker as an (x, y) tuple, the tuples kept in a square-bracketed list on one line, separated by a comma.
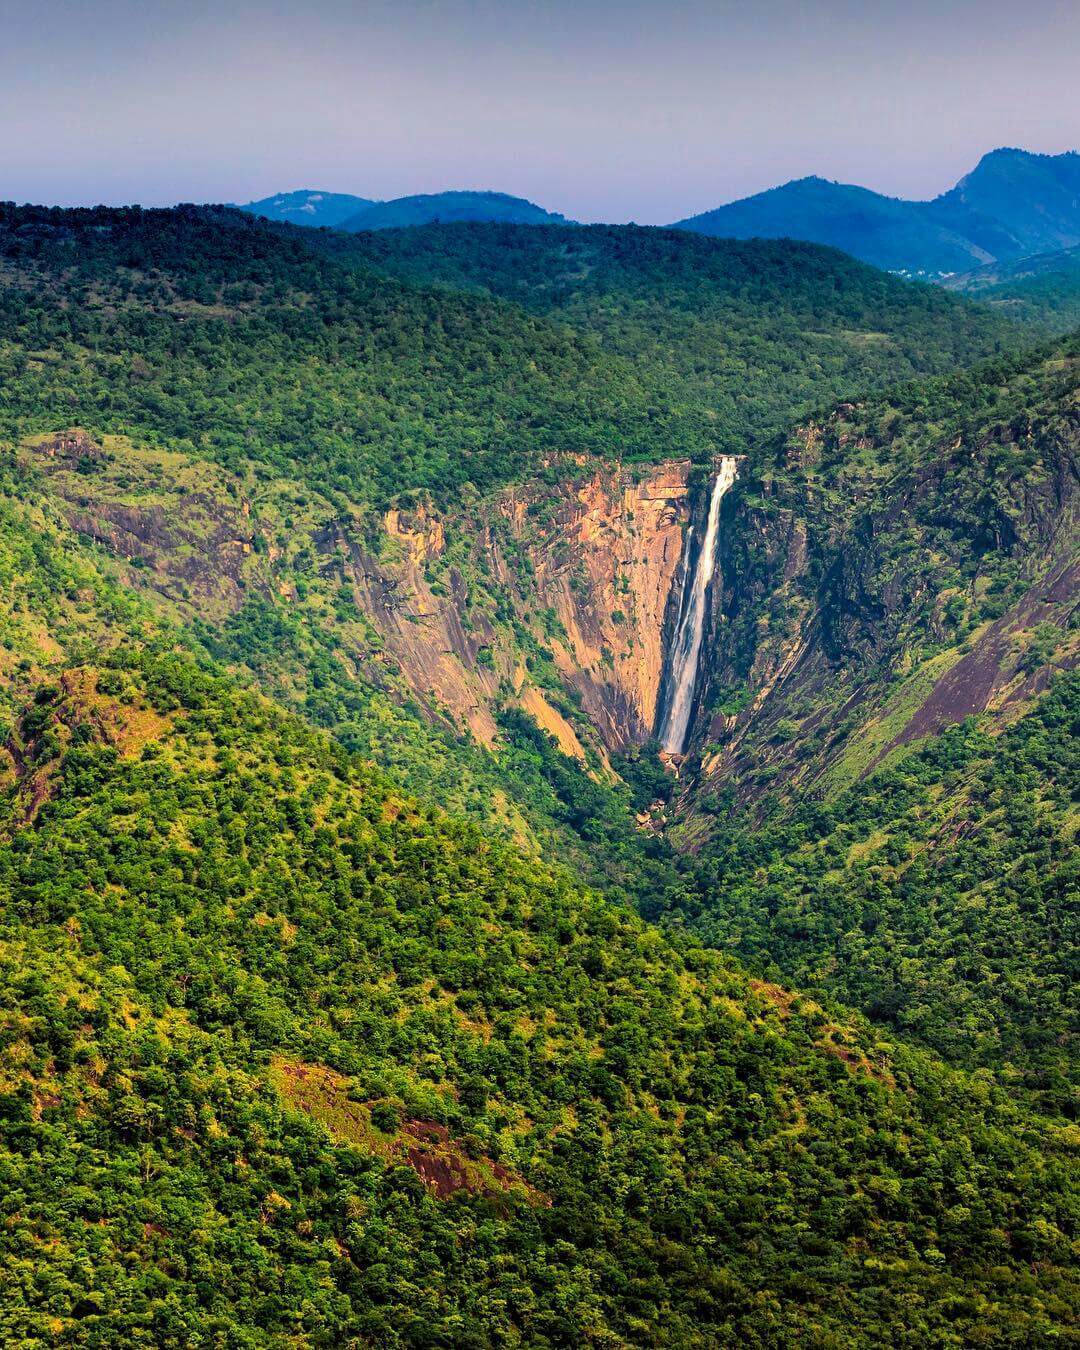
[(585, 566), (551, 595), (605, 558), (429, 628)]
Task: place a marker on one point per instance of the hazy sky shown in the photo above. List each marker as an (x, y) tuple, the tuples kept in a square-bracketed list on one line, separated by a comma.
[(601, 109)]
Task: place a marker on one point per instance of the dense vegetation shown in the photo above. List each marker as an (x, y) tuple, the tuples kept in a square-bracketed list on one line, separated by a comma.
[(1043, 291), (253, 998), (889, 543), (329, 1026), (219, 333), (941, 896), (753, 331), (216, 334)]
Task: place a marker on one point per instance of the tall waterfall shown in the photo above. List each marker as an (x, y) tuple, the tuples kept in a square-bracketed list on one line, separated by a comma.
[(690, 626)]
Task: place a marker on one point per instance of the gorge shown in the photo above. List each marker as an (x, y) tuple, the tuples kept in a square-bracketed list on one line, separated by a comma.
[(369, 973)]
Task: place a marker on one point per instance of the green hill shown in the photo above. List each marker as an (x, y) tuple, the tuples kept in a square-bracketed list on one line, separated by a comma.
[(317, 1062), (218, 333), (212, 331), (887, 570), (939, 895), (754, 332), (884, 801)]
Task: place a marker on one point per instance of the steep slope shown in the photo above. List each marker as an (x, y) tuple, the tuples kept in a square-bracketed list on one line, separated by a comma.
[(1012, 204), (386, 629), (1031, 201), (306, 207), (544, 607), (318, 1063), (902, 564), (429, 208)]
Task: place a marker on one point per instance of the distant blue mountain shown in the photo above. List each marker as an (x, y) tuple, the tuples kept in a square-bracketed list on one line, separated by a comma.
[(446, 207), (306, 207), (1011, 205)]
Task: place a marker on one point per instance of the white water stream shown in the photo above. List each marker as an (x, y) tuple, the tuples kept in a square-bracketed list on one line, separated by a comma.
[(690, 626)]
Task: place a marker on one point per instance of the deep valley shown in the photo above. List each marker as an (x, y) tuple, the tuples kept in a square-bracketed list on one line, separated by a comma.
[(539, 791)]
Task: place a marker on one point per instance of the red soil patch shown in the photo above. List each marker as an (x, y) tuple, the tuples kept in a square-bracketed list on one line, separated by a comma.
[(426, 1146)]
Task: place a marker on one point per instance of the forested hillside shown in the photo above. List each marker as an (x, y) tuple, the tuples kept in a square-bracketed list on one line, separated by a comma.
[(213, 333), (898, 564), (317, 1062), (336, 585), (754, 331), (941, 896), (105, 545), (216, 332), (1043, 291)]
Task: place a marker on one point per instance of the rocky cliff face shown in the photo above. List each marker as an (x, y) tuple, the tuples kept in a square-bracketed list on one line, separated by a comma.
[(553, 595), (601, 556), (865, 598), (862, 615)]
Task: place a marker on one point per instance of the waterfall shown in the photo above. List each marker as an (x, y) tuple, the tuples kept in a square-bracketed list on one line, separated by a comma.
[(690, 625)]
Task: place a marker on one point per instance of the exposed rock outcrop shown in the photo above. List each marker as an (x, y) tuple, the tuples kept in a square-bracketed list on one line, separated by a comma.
[(552, 595), (602, 555)]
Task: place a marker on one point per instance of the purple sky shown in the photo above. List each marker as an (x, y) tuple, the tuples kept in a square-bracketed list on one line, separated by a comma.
[(601, 109)]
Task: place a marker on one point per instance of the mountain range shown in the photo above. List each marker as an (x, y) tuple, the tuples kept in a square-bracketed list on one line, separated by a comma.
[(368, 976), (1012, 205)]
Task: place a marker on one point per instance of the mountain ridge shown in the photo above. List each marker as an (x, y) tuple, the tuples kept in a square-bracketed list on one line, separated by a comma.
[(1014, 202), (306, 206), (344, 211)]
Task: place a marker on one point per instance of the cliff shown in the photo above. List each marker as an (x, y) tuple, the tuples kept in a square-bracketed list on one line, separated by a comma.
[(879, 579), (601, 556), (884, 584), (552, 595)]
